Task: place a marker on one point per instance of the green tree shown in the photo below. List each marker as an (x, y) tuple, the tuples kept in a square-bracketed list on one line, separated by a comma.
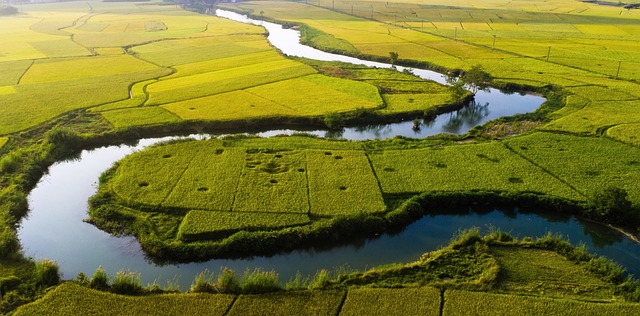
[(393, 57), (611, 204), (476, 78), (456, 87)]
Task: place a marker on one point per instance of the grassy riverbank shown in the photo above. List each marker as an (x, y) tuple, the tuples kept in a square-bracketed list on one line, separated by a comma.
[(471, 276)]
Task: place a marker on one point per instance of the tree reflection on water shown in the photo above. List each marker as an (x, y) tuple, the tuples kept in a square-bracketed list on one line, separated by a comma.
[(470, 115)]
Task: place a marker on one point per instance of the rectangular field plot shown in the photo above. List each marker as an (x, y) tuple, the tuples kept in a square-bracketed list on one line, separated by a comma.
[(89, 67), (210, 181), (273, 182), (139, 116), (187, 51), (587, 163), (210, 83), (70, 298), (289, 303), (234, 105), (60, 48), (318, 94), (198, 225), (3, 140), (488, 166), (480, 303), (224, 63), (376, 301), (342, 183), (12, 71), (149, 182), (414, 102)]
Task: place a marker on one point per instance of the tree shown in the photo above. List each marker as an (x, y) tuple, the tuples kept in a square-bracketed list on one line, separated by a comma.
[(476, 78), (393, 57), (611, 204), (456, 87)]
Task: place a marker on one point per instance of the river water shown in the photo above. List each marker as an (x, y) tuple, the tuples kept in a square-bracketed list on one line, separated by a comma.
[(54, 228)]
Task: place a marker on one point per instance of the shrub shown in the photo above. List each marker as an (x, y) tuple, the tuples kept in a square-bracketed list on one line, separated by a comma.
[(334, 120), (203, 283), (99, 280), (611, 204), (260, 281), (9, 243), (127, 282), (227, 282), (46, 273), (321, 280)]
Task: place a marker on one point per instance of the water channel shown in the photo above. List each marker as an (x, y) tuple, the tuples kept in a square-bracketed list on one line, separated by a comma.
[(54, 228)]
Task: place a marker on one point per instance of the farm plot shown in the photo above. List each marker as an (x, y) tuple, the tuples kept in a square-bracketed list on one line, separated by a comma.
[(488, 166), (148, 177), (320, 94), (70, 298), (234, 105), (628, 133), (210, 181), (79, 68), (32, 104), (608, 163), (379, 301), (124, 118), (209, 225), (459, 302), (273, 181), (333, 192), (3, 140), (169, 53), (210, 83), (597, 115), (289, 303), (12, 71), (547, 273)]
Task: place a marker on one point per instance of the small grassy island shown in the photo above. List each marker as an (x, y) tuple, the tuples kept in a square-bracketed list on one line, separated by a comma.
[(76, 76)]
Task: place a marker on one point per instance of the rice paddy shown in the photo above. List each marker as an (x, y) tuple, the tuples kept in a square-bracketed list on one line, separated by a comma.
[(151, 65)]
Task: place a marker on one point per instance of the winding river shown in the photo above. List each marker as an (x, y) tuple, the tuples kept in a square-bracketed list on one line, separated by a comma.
[(54, 228)]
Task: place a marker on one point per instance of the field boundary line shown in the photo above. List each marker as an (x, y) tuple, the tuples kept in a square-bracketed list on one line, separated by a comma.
[(366, 154), (33, 61), (306, 175), (543, 169), (180, 178), (442, 290), (233, 302), (235, 190), (341, 305)]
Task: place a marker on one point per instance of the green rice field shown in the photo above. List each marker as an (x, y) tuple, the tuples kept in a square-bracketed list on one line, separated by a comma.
[(80, 75)]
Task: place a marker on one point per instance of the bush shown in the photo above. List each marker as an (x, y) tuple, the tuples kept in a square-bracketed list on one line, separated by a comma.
[(99, 280), (203, 283), (227, 282), (127, 282), (321, 280), (46, 273), (260, 281), (334, 120), (611, 204), (9, 243)]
